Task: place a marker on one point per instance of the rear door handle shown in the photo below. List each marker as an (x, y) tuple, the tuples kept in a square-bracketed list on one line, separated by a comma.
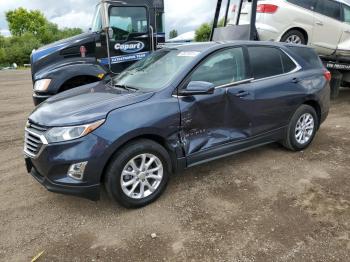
[(319, 23), (347, 31), (242, 93)]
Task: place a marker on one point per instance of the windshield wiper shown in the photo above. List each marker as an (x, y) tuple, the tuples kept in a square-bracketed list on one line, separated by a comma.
[(128, 88)]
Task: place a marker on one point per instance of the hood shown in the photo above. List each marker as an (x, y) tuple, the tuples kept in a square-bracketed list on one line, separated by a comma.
[(59, 50), (84, 104)]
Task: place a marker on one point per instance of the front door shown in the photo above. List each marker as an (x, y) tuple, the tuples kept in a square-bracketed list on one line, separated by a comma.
[(131, 39), (328, 26), (210, 121)]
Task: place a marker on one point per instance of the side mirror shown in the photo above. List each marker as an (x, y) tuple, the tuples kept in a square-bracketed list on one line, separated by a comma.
[(198, 88), (110, 32)]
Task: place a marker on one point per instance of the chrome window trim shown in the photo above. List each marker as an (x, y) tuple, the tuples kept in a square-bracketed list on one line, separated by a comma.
[(297, 68), (235, 83)]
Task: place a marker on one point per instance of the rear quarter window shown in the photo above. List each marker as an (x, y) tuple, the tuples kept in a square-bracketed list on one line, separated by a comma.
[(308, 55), (308, 4), (329, 8), (269, 61)]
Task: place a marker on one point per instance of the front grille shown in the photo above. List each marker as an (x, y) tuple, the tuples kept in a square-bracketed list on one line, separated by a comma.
[(33, 141)]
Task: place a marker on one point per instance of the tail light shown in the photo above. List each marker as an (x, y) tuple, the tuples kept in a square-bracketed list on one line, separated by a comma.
[(267, 8), (327, 75)]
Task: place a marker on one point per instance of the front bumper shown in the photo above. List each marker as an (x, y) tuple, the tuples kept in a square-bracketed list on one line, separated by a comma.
[(88, 192), (38, 99), (50, 166)]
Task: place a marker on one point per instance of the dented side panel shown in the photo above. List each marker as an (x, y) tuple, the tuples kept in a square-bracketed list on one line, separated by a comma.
[(212, 120)]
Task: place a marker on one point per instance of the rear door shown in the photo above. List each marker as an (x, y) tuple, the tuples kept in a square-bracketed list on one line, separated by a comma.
[(275, 87), (131, 36), (328, 27)]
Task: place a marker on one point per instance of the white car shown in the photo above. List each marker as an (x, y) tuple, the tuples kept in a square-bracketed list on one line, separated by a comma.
[(322, 24)]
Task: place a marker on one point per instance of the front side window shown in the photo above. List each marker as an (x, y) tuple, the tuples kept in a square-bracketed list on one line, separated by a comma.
[(308, 4), (128, 20), (269, 61), (156, 71), (222, 68), (329, 8), (346, 13)]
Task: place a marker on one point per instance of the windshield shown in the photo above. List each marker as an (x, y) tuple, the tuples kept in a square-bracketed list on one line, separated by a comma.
[(156, 71), (97, 20)]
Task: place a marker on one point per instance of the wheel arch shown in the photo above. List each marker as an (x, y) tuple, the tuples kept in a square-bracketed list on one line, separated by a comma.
[(303, 31), (315, 105), (78, 80), (149, 136), (61, 73)]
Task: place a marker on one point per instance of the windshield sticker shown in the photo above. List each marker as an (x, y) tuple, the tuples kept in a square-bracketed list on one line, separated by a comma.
[(189, 54)]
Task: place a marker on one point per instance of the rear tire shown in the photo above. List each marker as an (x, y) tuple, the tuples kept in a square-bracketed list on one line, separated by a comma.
[(138, 173), (294, 37), (302, 129)]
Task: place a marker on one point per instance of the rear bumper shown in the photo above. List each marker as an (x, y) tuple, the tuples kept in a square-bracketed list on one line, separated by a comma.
[(88, 192), (38, 99)]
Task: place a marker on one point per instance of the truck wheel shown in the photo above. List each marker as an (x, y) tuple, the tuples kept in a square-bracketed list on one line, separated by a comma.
[(138, 174), (301, 129), (294, 37)]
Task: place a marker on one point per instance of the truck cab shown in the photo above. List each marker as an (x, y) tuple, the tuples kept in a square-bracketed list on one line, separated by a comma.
[(122, 33)]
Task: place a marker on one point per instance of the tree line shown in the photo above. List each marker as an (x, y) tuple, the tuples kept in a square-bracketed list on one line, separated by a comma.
[(29, 30)]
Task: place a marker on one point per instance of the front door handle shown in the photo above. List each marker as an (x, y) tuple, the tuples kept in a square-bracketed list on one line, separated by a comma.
[(242, 93), (295, 80), (319, 23), (347, 31)]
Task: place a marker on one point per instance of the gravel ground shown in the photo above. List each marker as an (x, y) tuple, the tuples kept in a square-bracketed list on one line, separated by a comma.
[(267, 204)]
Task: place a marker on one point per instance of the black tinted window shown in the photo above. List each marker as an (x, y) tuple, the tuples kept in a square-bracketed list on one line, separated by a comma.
[(221, 68), (309, 55), (308, 4), (329, 8), (288, 64), (269, 61)]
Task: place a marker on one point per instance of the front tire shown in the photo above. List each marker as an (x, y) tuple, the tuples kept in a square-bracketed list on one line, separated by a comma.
[(301, 129), (138, 174)]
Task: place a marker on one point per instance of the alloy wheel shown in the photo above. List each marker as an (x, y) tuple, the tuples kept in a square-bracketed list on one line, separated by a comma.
[(304, 129), (294, 39), (142, 176)]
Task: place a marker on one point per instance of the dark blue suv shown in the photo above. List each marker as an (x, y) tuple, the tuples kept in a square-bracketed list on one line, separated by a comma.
[(179, 107)]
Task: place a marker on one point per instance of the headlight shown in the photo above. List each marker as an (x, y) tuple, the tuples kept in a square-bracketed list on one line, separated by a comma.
[(42, 85), (61, 134)]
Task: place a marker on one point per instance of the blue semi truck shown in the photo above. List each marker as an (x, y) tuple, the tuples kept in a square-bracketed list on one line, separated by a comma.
[(122, 32)]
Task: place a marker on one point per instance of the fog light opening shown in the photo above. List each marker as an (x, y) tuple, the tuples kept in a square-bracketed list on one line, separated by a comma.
[(76, 171)]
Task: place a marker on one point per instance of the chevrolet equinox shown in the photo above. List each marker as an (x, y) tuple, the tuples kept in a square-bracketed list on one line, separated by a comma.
[(177, 108)]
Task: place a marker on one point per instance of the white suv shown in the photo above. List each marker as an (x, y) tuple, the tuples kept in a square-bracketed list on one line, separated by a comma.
[(322, 24)]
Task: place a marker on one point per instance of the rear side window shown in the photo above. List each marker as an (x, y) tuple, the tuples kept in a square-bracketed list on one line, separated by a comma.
[(346, 13), (309, 55), (308, 4), (269, 61), (329, 8)]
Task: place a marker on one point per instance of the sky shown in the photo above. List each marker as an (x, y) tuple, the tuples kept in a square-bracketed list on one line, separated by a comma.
[(183, 15)]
